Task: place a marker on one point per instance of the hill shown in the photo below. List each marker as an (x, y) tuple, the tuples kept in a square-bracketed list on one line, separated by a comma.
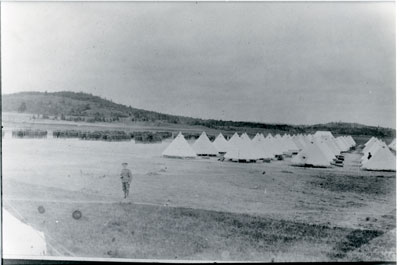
[(79, 106)]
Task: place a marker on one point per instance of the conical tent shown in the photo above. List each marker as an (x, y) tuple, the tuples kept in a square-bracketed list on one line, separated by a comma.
[(221, 144), (369, 142), (382, 159), (235, 139), (392, 145), (371, 145), (241, 151), (258, 137), (292, 147), (311, 155), (233, 143), (333, 146), (284, 144), (259, 148), (180, 148), (203, 146), (300, 143), (268, 148), (342, 146), (306, 139), (273, 146), (233, 151), (245, 138), (280, 145), (352, 140), (326, 150), (346, 142), (323, 134), (371, 150), (20, 239)]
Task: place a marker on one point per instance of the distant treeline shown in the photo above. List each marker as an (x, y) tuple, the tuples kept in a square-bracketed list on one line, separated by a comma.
[(86, 107), (150, 137), (114, 135), (28, 133)]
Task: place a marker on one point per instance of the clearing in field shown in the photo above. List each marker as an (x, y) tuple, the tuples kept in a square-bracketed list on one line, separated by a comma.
[(196, 209)]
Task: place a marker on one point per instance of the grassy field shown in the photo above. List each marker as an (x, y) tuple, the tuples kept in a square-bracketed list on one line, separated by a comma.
[(199, 209)]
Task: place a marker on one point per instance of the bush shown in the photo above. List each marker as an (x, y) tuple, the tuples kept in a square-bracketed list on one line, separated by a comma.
[(150, 137), (105, 136), (66, 134), (29, 133)]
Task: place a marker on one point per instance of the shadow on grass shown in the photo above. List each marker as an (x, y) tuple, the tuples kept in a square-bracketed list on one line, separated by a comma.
[(354, 240), (375, 185)]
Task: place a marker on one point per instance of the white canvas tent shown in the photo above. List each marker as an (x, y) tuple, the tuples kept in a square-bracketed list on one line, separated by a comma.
[(268, 148), (323, 134), (241, 149), (258, 145), (20, 239), (342, 146), (234, 139), (352, 140), (269, 136), (290, 145), (311, 155), (299, 141), (333, 146), (371, 149), (371, 144), (204, 147), (381, 159), (326, 150), (271, 147), (392, 145), (245, 138), (179, 148), (221, 144), (280, 145), (258, 137)]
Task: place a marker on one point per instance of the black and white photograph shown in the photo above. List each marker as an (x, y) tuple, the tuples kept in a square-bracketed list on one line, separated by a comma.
[(198, 131)]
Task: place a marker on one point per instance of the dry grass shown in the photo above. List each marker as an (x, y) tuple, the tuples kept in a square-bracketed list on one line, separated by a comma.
[(221, 210), (126, 230)]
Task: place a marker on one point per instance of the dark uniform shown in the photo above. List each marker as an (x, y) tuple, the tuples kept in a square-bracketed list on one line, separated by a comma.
[(126, 179)]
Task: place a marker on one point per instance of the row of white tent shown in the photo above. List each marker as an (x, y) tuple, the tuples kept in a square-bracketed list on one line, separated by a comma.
[(242, 148), (324, 151), (237, 147), (377, 156)]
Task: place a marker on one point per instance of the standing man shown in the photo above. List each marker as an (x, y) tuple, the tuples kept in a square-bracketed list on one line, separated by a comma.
[(126, 179)]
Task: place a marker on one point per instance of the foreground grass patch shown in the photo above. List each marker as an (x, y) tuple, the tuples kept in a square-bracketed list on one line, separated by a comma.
[(124, 230), (365, 184)]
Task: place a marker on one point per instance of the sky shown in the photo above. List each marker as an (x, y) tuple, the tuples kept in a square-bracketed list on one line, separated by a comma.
[(272, 62)]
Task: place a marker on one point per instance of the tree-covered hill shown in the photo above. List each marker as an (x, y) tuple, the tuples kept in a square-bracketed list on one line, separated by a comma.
[(73, 106)]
